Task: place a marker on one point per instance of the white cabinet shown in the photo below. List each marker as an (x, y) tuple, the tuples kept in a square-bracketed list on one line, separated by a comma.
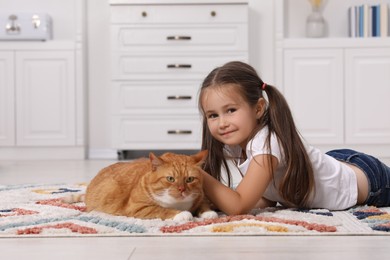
[(160, 53), (314, 89), (7, 99), (37, 98), (337, 87), (336, 93), (45, 98), (367, 90)]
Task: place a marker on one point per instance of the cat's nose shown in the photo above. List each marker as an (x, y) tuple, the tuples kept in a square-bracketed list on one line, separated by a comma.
[(181, 188)]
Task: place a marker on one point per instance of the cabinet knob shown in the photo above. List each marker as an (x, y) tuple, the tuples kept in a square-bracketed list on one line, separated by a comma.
[(36, 21), (12, 27), (144, 14), (178, 38), (179, 66), (213, 13), (179, 97), (179, 132)]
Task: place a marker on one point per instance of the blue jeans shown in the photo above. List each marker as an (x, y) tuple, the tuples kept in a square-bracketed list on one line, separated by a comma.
[(378, 174)]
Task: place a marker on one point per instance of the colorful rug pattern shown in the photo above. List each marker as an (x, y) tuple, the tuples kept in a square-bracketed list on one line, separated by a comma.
[(37, 210)]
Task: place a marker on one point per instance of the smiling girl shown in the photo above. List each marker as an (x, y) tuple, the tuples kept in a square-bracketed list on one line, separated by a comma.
[(260, 136)]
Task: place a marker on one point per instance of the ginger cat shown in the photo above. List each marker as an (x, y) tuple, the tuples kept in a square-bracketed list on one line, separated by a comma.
[(169, 186)]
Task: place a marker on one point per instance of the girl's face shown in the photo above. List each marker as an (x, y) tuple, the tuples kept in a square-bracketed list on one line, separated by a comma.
[(230, 119)]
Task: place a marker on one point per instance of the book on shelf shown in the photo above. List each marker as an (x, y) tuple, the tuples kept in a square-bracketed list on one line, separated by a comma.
[(368, 20), (353, 19)]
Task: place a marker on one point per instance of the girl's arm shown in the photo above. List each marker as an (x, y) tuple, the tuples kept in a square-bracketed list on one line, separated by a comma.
[(248, 193)]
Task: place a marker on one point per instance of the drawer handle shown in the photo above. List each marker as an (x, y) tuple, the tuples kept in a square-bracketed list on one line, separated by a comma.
[(179, 97), (179, 132), (179, 38), (179, 66)]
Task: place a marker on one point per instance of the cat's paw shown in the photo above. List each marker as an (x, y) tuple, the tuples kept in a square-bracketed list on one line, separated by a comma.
[(209, 214), (183, 216)]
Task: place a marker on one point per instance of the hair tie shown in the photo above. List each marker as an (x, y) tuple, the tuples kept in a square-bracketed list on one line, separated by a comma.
[(263, 86)]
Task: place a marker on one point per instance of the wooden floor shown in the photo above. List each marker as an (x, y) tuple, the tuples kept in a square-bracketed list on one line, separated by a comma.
[(170, 248)]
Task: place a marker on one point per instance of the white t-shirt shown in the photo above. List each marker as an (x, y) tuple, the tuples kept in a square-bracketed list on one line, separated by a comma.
[(335, 183)]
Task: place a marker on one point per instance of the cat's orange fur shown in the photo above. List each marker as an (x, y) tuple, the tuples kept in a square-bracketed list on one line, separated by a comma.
[(158, 187)]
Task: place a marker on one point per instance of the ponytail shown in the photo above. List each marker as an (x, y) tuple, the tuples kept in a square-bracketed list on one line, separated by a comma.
[(298, 182)]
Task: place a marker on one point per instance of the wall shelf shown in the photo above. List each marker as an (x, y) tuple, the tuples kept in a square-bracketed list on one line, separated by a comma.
[(335, 42)]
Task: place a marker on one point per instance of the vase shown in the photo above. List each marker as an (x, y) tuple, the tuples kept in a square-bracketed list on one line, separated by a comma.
[(315, 24)]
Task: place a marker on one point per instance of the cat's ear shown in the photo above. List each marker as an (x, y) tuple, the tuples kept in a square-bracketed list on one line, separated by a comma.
[(155, 161), (200, 157)]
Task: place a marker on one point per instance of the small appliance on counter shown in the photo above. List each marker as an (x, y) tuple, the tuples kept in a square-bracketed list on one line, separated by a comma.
[(25, 27)]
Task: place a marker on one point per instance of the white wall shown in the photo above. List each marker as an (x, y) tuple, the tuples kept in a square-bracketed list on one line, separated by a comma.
[(261, 52)]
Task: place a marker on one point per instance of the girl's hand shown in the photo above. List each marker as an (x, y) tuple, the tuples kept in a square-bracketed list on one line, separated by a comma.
[(264, 203)]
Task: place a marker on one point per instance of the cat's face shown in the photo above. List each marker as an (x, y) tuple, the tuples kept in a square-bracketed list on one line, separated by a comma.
[(176, 180)]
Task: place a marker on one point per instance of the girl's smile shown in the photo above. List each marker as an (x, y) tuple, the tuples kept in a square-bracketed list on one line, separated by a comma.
[(227, 135)]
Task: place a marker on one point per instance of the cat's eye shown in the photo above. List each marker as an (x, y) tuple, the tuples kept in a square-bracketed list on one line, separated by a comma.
[(190, 179), (170, 178)]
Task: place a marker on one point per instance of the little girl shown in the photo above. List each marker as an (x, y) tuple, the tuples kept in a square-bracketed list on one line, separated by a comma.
[(260, 136)]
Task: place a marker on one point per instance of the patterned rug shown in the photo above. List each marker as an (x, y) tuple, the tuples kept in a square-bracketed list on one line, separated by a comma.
[(37, 211)]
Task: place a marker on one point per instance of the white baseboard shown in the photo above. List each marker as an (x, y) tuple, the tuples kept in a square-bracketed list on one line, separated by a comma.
[(42, 153), (109, 154)]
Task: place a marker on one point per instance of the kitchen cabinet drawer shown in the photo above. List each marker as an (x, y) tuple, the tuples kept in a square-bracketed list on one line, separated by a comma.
[(157, 132), (165, 66), (155, 97), (179, 38), (183, 14), (160, 55)]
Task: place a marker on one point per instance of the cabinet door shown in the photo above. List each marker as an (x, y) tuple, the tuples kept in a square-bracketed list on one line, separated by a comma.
[(313, 84), (367, 96), (45, 98), (7, 99)]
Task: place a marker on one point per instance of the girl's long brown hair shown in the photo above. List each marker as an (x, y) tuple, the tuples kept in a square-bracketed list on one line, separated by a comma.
[(297, 184)]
